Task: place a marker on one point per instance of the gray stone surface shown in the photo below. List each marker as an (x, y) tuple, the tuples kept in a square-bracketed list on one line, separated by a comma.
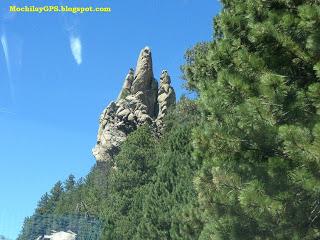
[(145, 82), (139, 102), (126, 88), (166, 98)]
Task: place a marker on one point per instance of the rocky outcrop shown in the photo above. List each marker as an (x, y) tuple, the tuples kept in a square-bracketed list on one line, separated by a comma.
[(126, 88), (166, 98), (140, 101), (144, 81)]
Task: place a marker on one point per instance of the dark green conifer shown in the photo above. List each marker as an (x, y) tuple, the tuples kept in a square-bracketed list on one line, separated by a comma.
[(258, 86)]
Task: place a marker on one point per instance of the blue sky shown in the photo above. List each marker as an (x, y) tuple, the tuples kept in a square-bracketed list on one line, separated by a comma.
[(58, 72)]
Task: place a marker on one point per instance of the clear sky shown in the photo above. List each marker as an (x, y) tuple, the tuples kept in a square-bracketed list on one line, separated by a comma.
[(57, 73)]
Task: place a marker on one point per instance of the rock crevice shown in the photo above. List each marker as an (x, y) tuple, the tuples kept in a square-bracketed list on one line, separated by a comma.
[(140, 101)]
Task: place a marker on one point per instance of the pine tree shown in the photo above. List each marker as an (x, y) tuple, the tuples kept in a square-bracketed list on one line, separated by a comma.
[(56, 191), (133, 169), (171, 193), (42, 206), (258, 86), (55, 195), (70, 183)]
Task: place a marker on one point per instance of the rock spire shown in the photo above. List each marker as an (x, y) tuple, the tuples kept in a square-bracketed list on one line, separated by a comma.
[(140, 101)]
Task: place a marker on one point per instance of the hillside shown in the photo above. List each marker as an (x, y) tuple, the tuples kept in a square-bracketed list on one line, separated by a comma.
[(104, 202), (143, 138), (240, 161)]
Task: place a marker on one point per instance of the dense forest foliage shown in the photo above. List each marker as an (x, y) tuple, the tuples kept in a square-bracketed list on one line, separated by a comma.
[(145, 195), (241, 161)]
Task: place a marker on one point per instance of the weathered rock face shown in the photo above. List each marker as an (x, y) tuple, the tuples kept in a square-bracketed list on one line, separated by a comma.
[(139, 102), (126, 88), (144, 81), (166, 97)]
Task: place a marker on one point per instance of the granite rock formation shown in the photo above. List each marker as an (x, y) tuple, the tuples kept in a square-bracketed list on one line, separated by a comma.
[(140, 101), (166, 98)]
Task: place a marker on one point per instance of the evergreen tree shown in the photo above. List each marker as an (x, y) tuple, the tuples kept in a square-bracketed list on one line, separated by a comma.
[(55, 195), (133, 169), (70, 183), (42, 206), (171, 192), (56, 191), (258, 86)]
